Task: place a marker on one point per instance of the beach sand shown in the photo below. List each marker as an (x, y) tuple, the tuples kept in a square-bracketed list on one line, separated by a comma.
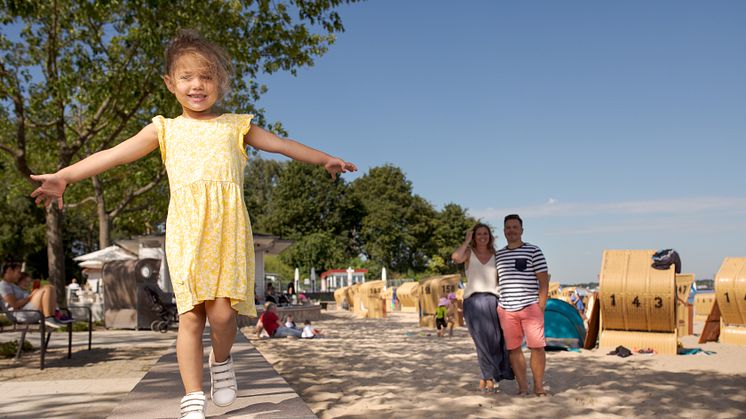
[(392, 368)]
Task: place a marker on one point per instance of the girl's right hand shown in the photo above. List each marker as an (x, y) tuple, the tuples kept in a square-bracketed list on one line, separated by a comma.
[(51, 189)]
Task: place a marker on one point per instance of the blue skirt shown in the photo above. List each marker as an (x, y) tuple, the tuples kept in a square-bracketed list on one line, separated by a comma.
[(480, 313)]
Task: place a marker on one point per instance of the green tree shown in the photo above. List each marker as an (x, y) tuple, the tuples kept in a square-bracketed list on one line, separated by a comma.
[(395, 223), (319, 250), (21, 223), (260, 181), (274, 264), (450, 230), (80, 77), (309, 207), (422, 225), (304, 201)]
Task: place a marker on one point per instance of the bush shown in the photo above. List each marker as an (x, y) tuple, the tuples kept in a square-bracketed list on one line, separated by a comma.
[(4, 322), (8, 349)]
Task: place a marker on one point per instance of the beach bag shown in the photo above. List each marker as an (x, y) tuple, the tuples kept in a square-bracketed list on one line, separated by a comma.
[(663, 259)]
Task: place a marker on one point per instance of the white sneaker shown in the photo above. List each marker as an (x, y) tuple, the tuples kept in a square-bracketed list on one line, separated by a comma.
[(193, 405), (223, 389), (52, 322)]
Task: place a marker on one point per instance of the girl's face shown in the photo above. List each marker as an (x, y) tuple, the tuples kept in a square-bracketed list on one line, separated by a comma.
[(24, 283), (195, 86)]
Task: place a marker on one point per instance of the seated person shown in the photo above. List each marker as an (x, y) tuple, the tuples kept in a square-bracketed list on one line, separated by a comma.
[(15, 298), (310, 332), (269, 294), (270, 323), (25, 282), (290, 321)]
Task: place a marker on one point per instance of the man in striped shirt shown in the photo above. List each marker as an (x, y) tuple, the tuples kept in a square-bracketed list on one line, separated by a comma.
[(523, 283)]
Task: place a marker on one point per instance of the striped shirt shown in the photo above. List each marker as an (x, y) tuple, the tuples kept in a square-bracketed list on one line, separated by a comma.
[(516, 273)]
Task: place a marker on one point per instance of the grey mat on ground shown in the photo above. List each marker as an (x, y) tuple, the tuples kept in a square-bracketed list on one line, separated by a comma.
[(262, 393)]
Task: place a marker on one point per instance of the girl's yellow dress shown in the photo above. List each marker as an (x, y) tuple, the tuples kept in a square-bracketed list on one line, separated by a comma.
[(209, 245)]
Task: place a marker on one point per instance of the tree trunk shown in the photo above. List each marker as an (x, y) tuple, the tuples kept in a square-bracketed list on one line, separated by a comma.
[(55, 251), (104, 221), (103, 230)]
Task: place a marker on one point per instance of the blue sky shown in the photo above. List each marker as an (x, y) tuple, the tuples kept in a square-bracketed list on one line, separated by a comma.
[(604, 124)]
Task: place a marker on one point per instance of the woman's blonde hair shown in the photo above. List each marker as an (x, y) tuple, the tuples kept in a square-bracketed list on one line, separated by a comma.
[(189, 41)]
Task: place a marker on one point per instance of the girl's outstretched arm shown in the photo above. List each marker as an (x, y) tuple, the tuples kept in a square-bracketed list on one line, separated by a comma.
[(53, 185), (266, 141)]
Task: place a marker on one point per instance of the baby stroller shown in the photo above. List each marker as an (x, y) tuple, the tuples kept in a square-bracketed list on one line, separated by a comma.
[(166, 310)]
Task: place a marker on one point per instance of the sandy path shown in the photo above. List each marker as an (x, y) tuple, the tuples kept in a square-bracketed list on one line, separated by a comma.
[(391, 368)]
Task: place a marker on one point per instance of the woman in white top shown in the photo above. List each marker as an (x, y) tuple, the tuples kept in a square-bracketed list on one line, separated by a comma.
[(480, 306)]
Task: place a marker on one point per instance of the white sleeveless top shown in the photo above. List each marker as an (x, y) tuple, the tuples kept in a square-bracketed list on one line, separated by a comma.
[(480, 277)]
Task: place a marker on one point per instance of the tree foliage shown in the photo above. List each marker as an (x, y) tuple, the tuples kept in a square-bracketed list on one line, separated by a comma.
[(262, 176), (307, 206), (82, 76), (450, 229), (78, 77), (392, 225)]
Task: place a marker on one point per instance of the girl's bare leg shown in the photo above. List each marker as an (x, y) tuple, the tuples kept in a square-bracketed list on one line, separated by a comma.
[(189, 350), (44, 299), (223, 329)]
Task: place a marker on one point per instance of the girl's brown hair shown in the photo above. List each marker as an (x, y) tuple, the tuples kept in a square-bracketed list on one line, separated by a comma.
[(189, 41), (473, 244)]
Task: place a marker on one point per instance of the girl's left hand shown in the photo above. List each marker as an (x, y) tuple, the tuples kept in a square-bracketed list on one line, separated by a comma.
[(336, 165)]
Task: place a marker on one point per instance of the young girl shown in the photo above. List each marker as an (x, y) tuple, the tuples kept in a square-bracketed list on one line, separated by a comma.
[(209, 241), (310, 332), (452, 313), (440, 316)]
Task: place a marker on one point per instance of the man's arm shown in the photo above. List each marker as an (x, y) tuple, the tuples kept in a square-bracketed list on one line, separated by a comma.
[(16, 303), (543, 278)]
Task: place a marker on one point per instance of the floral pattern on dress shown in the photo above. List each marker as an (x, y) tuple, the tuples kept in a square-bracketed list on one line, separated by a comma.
[(209, 245)]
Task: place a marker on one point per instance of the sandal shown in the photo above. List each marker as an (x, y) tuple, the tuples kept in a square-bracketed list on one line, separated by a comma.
[(223, 387), (193, 406), (490, 388)]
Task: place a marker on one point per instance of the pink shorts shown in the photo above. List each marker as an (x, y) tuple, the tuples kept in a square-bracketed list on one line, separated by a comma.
[(528, 322)]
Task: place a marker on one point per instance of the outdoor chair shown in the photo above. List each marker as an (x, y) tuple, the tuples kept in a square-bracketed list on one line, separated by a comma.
[(44, 331)]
